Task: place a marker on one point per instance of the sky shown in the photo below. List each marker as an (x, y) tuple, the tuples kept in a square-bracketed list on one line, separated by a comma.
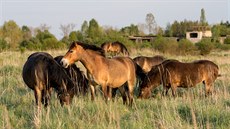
[(115, 13)]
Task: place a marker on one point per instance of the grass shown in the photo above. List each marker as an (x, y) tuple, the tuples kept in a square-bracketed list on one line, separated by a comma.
[(190, 109)]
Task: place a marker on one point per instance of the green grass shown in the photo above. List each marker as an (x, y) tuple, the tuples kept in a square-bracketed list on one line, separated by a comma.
[(190, 109)]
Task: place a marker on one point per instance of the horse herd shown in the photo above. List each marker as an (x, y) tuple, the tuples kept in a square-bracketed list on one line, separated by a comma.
[(43, 73)]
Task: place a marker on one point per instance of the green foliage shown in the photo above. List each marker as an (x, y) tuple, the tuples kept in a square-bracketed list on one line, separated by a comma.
[(186, 47), (205, 46), (94, 32), (73, 36), (11, 33), (3, 45), (165, 45), (227, 40), (130, 30)]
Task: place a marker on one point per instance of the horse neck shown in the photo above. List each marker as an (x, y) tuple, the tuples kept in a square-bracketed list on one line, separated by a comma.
[(90, 60)]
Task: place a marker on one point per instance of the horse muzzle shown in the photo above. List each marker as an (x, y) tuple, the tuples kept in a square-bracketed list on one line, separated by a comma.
[(64, 63)]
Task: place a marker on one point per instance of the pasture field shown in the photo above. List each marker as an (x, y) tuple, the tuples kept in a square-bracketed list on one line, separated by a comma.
[(190, 109)]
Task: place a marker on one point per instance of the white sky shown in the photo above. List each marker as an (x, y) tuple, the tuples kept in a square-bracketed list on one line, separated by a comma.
[(115, 13)]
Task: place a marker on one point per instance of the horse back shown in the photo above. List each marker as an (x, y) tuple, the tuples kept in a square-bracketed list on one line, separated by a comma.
[(189, 74), (36, 69)]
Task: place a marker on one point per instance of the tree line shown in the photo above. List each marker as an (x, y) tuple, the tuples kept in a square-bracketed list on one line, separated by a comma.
[(14, 37)]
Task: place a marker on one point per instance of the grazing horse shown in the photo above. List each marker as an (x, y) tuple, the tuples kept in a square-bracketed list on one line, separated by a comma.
[(115, 48), (152, 80), (175, 74), (41, 73), (112, 73), (77, 77), (146, 63)]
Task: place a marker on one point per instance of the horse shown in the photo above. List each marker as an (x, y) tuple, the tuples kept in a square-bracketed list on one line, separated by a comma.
[(146, 63), (173, 74), (108, 73), (77, 76), (152, 80), (115, 48), (41, 73)]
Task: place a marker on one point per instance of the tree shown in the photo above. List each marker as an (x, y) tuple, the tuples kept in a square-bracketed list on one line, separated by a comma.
[(168, 31), (26, 33), (94, 31), (11, 33), (130, 30), (151, 23), (66, 29), (84, 29), (73, 36), (203, 21)]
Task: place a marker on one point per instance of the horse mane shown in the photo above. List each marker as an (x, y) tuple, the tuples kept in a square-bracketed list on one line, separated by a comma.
[(88, 46), (103, 44), (77, 76), (123, 47)]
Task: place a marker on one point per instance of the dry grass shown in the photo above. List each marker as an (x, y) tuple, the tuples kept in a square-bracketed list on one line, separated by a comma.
[(189, 110)]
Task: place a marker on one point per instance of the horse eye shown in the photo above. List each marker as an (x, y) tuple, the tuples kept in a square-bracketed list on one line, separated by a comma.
[(71, 51)]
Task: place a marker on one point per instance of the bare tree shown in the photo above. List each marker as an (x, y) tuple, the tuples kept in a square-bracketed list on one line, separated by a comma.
[(44, 27), (66, 29), (151, 23), (141, 28)]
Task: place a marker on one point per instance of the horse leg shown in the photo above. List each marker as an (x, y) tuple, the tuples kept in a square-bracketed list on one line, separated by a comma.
[(92, 89), (123, 94), (208, 88), (104, 89), (173, 90), (131, 88), (38, 97), (167, 89), (109, 92), (114, 92)]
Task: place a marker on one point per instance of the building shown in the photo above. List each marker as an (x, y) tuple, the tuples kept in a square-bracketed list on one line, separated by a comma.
[(195, 34)]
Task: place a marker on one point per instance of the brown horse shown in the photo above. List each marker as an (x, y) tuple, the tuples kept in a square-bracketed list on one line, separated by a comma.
[(115, 48), (78, 78), (173, 74), (41, 73), (152, 80), (146, 63), (112, 73)]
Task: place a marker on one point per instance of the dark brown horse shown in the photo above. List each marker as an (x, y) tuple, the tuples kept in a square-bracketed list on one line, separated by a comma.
[(108, 73), (146, 63), (173, 74), (152, 80), (77, 76), (41, 73), (115, 48)]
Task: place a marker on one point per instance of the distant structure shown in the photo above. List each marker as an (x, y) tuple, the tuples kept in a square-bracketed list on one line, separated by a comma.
[(196, 33), (140, 39)]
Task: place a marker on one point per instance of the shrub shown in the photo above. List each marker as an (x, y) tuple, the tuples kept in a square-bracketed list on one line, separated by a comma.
[(205, 46), (3, 45), (227, 40), (186, 47), (166, 45), (52, 43)]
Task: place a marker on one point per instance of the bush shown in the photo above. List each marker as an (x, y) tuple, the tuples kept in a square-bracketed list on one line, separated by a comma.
[(166, 45), (52, 43), (30, 45), (3, 45), (227, 40), (186, 47), (205, 46)]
